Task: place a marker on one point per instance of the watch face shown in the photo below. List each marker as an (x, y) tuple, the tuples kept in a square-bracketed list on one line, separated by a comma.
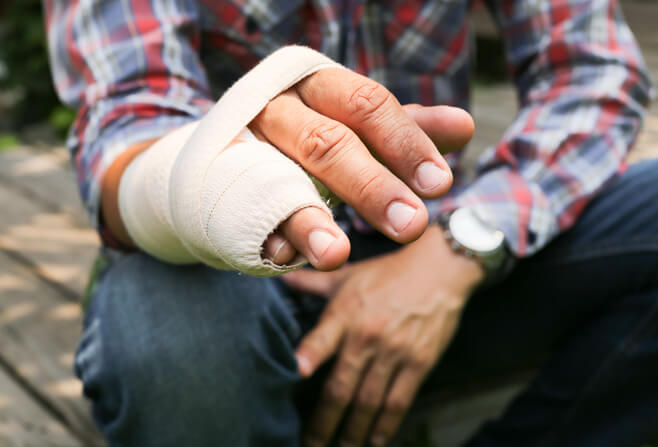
[(471, 232)]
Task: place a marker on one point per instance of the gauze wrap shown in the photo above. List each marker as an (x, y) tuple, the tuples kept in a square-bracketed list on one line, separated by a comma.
[(189, 199)]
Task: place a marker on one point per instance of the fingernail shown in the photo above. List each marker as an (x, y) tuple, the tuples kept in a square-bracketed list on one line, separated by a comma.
[(429, 176), (303, 365), (278, 249), (378, 441), (319, 241), (400, 215)]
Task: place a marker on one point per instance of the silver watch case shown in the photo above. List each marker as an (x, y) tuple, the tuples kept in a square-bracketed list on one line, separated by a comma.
[(474, 238)]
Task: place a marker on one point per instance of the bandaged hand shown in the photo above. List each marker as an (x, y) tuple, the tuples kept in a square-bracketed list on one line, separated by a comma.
[(251, 206)]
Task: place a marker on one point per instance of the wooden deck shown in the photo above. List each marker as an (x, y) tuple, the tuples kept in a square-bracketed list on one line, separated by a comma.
[(46, 249)]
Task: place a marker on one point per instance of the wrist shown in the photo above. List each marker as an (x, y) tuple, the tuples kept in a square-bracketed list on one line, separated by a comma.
[(470, 270), (435, 251), (473, 236)]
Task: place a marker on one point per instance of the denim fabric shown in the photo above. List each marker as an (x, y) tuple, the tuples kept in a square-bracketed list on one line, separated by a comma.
[(191, 356)]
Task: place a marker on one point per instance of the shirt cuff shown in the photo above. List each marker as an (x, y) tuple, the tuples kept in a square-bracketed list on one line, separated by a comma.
[(518, 208)]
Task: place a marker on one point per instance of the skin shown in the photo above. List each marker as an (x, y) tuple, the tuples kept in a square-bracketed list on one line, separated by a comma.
[(353, 135), (386, 333)]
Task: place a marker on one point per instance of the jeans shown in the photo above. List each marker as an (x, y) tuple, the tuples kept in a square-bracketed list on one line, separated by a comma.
[(191, 356)]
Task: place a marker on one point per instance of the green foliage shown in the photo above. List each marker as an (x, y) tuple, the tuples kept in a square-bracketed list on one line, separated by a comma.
[(8, 141), (26, 76), (61, 118)]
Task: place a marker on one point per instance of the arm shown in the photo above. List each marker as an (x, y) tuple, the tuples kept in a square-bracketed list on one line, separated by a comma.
[(187, 198), (132, 70), (124, 99), (134, 73), (582, 88)]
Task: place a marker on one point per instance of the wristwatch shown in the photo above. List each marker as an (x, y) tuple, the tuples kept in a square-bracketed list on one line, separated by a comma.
[(470, 236)]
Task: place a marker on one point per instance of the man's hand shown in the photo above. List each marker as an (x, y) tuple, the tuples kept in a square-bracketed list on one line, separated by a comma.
[(352, 134), (388, 321)]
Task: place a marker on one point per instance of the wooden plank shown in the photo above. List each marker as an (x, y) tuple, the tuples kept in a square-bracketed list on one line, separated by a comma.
[(647, 143), (641, 17), (51, 242), (46, 232), (482, 23), (39, 329), (24, 423), (494, 109), (44, 175)]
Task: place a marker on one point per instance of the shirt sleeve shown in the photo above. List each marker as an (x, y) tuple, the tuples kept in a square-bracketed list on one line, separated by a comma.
[(582, 89), (131, 69)]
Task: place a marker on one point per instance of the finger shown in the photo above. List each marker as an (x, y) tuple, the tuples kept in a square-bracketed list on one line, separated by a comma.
[(397, 403), (320, 343), (278, 250), (324, 284), (337, 393), (377, 117), (315, 234), (450, 128), (335, 155), (368, 401)]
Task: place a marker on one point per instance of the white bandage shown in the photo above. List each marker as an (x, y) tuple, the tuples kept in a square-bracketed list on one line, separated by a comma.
[(189, 198)]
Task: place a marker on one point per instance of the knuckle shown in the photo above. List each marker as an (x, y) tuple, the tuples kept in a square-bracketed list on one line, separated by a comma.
[(338, 393), (320, 141), (401, 141), (367, 99), (370, 334), (367, 185), (420, 361), (396, 348), (368, 402), (397, 404)]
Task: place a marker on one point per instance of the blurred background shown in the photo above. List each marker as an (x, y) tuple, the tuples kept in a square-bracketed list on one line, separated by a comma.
[(47, 248), (29, 109)]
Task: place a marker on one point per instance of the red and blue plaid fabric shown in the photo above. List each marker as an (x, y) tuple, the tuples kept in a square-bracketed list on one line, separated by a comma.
[(136, 69)]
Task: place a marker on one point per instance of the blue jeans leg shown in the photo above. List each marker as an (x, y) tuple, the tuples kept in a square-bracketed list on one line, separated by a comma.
[(189, 356), (176, 356), (586, 310)]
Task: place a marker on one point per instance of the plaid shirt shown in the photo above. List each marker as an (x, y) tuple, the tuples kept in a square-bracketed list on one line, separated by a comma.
[(137, 69)]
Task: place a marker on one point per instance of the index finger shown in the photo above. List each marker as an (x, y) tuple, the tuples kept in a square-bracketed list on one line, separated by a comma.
[(334, 154), (374, 114), (320, 343)]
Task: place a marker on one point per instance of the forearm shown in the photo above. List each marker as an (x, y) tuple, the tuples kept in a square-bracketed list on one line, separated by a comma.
[(582, 97), (110, 192)]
